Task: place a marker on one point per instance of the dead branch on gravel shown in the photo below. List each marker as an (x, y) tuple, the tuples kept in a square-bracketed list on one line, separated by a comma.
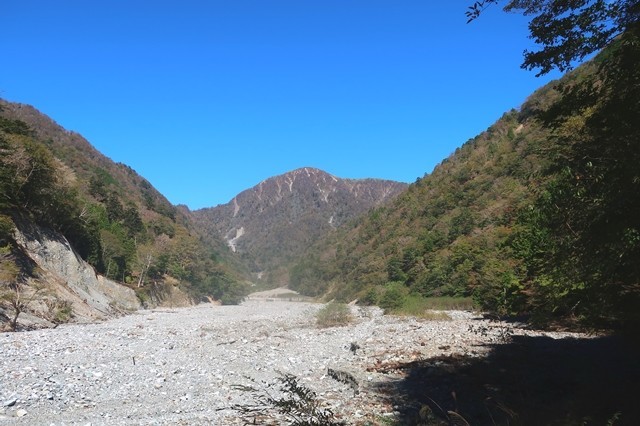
[(291, 404)]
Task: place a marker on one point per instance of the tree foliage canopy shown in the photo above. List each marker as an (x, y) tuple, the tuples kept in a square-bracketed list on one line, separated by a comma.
[(588, 211), (567, 30)]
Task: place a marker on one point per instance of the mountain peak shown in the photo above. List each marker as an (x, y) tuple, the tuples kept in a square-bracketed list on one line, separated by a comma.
[(272, 221), (286, 180)]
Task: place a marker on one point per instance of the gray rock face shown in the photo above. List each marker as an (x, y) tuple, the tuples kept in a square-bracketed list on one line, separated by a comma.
[(10, 402), (92, 295)]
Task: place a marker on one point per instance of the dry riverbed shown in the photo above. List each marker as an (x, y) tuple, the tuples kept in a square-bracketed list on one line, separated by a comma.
[(183, 366)]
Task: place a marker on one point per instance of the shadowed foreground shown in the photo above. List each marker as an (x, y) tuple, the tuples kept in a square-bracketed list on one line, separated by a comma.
[(529, 381)]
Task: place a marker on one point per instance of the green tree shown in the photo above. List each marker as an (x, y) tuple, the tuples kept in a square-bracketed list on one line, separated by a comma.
[(115, 210), (28, 174), (310, 276), (394, 269), (567, 30), (394, 296), (14, 294), (590, 207), (132, 220), (15, 127), (580, 241), (9, 286)]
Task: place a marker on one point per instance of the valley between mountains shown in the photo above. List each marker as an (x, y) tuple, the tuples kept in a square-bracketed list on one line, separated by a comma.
[(131, 310), (270, 225), (82, 226)]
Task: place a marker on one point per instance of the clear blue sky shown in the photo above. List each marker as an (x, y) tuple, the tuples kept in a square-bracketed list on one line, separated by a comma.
[(207, 98)]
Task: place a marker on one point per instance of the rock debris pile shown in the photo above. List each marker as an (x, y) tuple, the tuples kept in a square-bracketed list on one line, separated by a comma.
[(188, 365)]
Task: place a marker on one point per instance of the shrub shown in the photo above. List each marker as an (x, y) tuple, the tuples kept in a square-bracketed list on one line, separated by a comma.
[(418, 306), (234, 296), (333, 314), (370, 298), (59, 311), (393, 297), (448, 303)]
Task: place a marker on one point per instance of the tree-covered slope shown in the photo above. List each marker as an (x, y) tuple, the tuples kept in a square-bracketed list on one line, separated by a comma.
[(537, 215), (112, 216), (445, 234)]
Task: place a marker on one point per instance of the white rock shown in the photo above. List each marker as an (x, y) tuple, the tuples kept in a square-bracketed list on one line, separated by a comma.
[(10, 402)]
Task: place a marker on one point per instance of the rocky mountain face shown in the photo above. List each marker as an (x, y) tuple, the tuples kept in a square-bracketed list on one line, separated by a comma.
[(271, 223), (68, 281)]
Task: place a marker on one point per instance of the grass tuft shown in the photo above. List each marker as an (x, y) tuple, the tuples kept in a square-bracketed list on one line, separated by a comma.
[(431, 308), (334, 314)]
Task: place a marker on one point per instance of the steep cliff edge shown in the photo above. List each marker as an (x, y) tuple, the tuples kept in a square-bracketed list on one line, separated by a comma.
[(59, 277)]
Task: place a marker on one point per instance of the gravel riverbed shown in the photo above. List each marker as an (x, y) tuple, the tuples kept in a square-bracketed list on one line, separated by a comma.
[(183, 366)]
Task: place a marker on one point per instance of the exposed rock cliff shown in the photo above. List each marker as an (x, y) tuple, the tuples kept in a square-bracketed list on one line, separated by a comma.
[(66, 277)]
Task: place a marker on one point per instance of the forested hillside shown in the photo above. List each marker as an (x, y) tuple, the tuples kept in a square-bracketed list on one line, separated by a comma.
[(112, 217), (445, 235), (537, 215)]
